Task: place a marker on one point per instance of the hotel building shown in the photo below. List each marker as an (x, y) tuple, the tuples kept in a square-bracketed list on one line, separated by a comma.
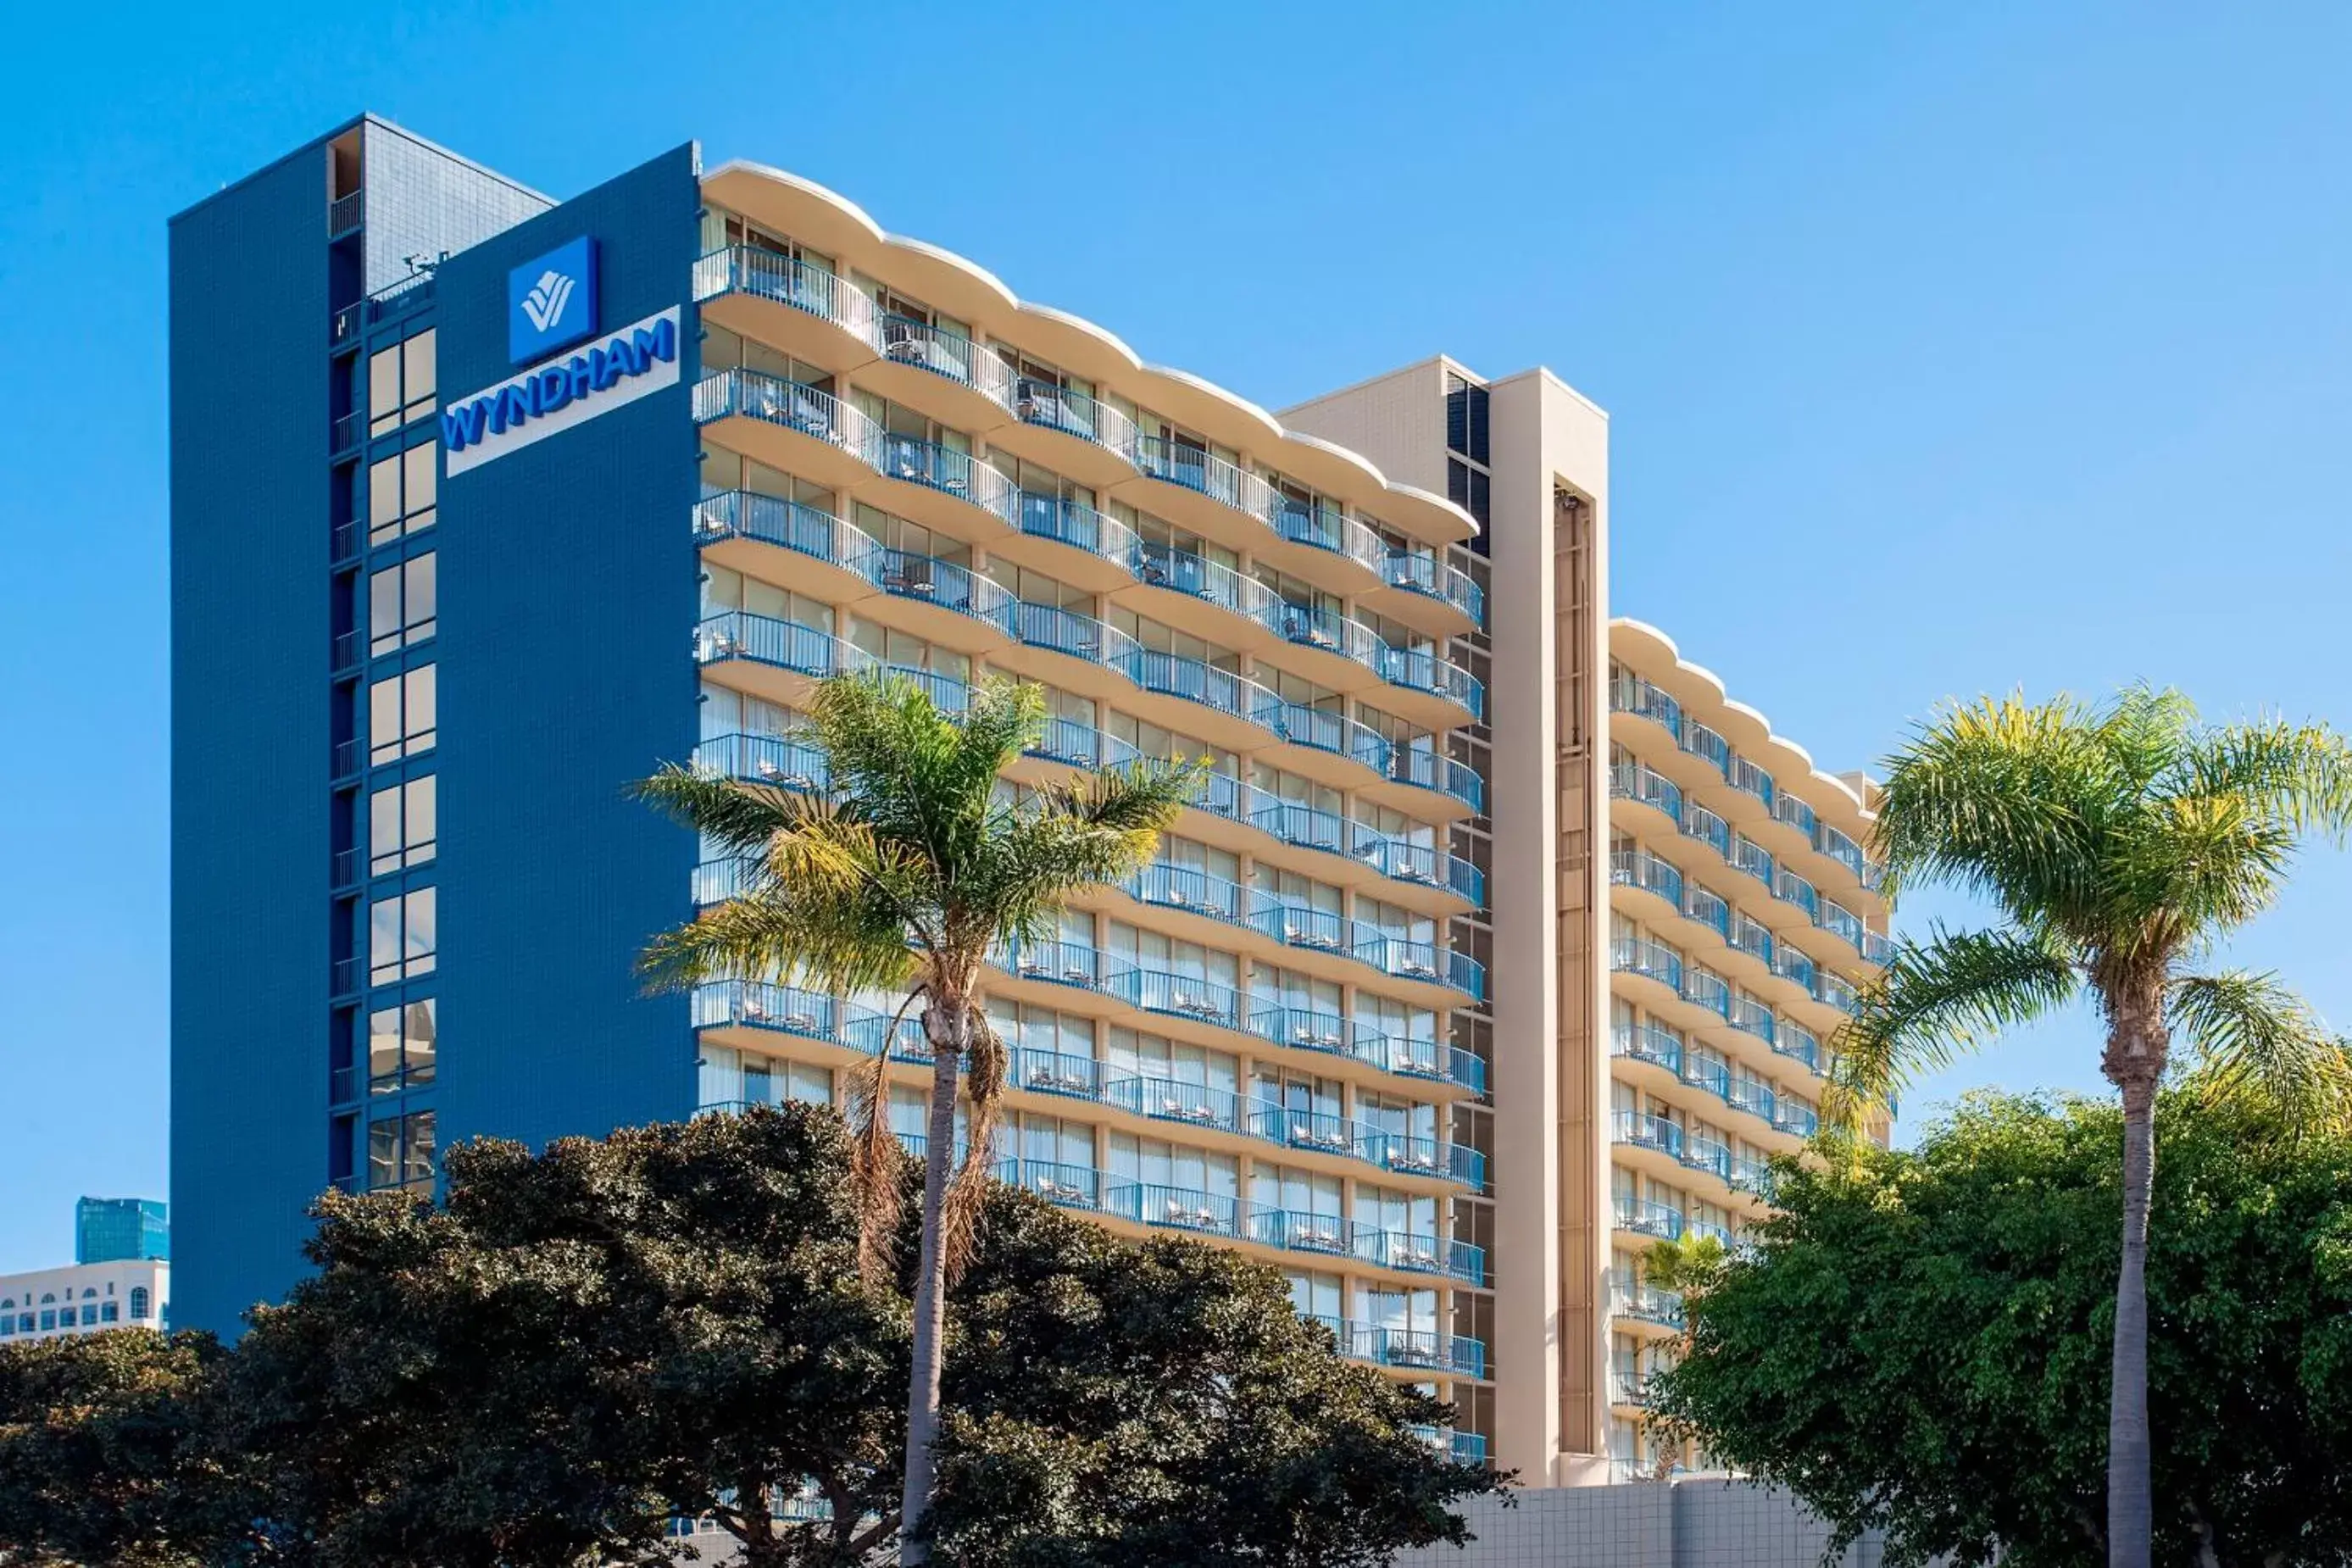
[(515, 499)]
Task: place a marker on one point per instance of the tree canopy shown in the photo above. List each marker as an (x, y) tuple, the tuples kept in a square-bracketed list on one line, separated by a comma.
[(1921, 1341), (589, 1351)]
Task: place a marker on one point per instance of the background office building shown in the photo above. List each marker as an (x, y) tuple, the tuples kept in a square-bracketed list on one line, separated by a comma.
[(120, 1277), (524, 498)]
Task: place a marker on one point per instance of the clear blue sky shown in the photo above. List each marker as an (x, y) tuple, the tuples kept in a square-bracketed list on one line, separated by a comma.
[(1948, 348)]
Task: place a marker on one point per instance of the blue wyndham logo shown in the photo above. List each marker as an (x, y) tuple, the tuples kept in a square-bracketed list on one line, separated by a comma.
[(536, 395), (551, 301)]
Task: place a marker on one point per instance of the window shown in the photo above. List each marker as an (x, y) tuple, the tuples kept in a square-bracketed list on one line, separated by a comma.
[(139, 1303), (400, 1153), (404, 715), (402, 825), (49, 1317), (401, 936), (400, 384), (401, 605), (402, 1046), (401, 489), (109, 1311)]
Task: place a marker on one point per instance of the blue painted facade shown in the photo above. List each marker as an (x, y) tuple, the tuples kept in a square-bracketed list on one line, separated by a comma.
[(566, 596)]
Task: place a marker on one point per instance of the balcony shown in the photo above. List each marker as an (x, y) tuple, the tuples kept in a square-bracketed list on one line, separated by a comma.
[(1420, 1349), (1749, 779), (1101, 537), (809, 312), (1174, 1208), (345, 213), (1706, 989), (1236, 494), (751, 1004), (1182, 571), (1189, 1104), (783, 644), (1649, 1043), (1650, 960), (1414, 670), (1752, 858), (1425, 576), (1751, 1016), (724, 517), (1629, 694), (1190, 891), (1839, 921), (1709, 908), (982, 382), (1413, 1253), (764, 758), (1406, 1055), (1066, 1186), (1836, 991), (1436, 773), (1660, 1222), (1709, 829), (1790, 965), (1711, 1156), (791, 425), (1798, 1046), (1645, 1303), (1102, 440), (1057, 1072), (1709, 746), (1462, 1448), (1642, 782), (1791, 812), (1640, 1129), (941, 486), (1791, 889), (1629, 1382)]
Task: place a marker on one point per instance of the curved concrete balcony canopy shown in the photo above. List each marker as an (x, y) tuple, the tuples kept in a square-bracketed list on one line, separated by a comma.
[(827, 223)]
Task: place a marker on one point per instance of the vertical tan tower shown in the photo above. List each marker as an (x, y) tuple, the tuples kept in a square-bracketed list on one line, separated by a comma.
[(1641, 1071)]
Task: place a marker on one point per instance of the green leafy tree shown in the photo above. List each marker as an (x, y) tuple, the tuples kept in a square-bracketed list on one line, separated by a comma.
[(1110, 1402), (1687, 1265), (103, 1451), (582, 1346), (1924, 1340), (589, 1345), (2118, 844), (903, 876)]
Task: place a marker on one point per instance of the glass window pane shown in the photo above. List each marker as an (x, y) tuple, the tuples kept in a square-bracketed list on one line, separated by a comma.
[(423, 812), (422, 908), (418, 369), (423, 708), (417, 1167), (383, 1154), (384, 719), (383, 390), (384, 836), (383, 492), (421, 1041), (418, 466), (422, 589), (384, 939), (384, 610), (383, 1044)]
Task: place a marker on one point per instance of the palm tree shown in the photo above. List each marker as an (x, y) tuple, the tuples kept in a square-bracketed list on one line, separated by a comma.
[(1685, 1266), (904, 875), (2120, 843)]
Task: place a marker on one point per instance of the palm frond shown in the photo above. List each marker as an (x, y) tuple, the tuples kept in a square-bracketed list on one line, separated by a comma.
[(1100, 829), (1999, 796), (732, 816), (986, 1065), (2299, 776), (876, 1157), (1935, 1000), (2256, 1040)]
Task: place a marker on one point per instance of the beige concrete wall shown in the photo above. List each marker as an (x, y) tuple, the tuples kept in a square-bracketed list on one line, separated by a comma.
[(1388, 420)]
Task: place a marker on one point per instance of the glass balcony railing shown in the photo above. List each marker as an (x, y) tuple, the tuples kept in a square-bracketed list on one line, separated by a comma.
[(1629, 693), (1709, 908), (1753, 939), (787, 645), (1793, 812), (1653, 961), (1794, 1116), (1647, 1043), (1418, 572), (1710, 1073), (1708, 745), (1437, 773), (1189, 466), (1751, 1016), (1753, 1096), (770, 519), (1877, 948), (1420, 671), (950, 354), (1174, 1208), (1418, 1254), (1836, 990), (763, 274), (1838, 846), (1052, 406), (1706, 989), (764, 758), (1749, 779), (1789, 887), (1791, 964), (1640, 1129), (1797, 1044), (1709, 829), (950, 471), (1424, 1350), (1710, 1155), (1751, 1175), (1839, 921), (1462, 1448), (1328, 527), (1191, 1104), (1640, 782), (1753, 858), (1658, 1221), (793, 406), (1645, 1303)]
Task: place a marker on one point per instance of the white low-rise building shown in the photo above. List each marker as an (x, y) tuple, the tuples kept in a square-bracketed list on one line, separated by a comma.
[(84, 1297)]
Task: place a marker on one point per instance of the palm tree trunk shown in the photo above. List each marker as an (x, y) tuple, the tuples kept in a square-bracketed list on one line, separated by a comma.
[(947, 1025), (2131, 1503)]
